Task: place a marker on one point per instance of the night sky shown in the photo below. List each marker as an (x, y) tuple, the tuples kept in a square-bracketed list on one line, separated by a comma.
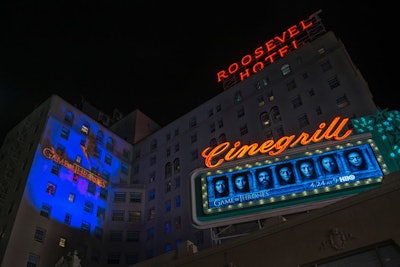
[(162, 58)]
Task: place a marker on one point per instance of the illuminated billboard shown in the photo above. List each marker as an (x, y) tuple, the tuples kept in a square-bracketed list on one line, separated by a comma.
[(276, 183)]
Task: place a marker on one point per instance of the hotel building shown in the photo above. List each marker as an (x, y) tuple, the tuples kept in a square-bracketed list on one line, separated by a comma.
[(121, 190)]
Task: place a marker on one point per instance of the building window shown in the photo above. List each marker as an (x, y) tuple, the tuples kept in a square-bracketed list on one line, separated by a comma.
[(311, 92), (243, 130), (103, 193), (212, 127), (91, 188), (291, 85), (67, 218), (285, 69), (318, 110), (275, 114), (303, 120), (110, 144), (178, 181), (168, 169), (168, 247), (69, 117), (168, 136), (55, 169), (65, 133), (45, 211), (260, 101), (132, 236), (177, 165), (167, 227), (98, 232), (40, 234), (168, 205), (296, 102), (119, 197), (176, 132), (326, 65), (117, 215), (265, 81), (240, 113), (50, 189), (108, 159), (168, 186), (342, 102), (150, 233), (177, 222), (113, 258), (271, 96), (101, 213), (100, 137), (124, 168), (85, 128), (264, 119), (151, 214), (192, 122), (153, 145), (176, 147), (258, 85), (152, 194), (238, 97), (220, 123), (210, 113), (88, 207), (115, 236), (168, 152), (135, 197), (134, 216), (333, 82), (85, 227), (33, 260), (177, 201), (218, 107), (62, 242)]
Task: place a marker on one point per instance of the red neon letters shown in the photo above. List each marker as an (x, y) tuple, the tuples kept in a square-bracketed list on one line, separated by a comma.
[(215, 156), (272, 50)]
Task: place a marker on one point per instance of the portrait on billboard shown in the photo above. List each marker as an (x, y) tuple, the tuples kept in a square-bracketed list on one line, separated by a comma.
[(329, 164), (356, 160), (241, 182), (306, 169), (285, 174), (264, 178), (221, 186)]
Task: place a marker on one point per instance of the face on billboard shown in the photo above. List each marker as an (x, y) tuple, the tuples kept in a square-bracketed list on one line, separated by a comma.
[(297, 177)]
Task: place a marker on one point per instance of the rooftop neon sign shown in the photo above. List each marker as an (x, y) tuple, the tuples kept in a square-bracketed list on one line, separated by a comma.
[(275, 48), (215, 156)]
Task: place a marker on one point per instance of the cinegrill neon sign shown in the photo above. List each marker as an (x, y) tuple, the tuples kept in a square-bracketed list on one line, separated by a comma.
[(50, 153), (275, 48), (215, 156)]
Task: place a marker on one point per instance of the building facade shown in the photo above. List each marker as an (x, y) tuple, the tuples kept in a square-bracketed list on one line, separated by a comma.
[(119, 192)]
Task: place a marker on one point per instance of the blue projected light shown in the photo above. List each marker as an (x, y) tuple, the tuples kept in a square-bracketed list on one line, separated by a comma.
[(67, 183), (301, 177)]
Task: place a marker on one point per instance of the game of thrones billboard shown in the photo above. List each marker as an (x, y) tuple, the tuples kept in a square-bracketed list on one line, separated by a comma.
[(275, 184)]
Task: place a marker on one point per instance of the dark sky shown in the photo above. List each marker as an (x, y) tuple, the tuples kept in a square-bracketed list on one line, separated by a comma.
[(162, 58)]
